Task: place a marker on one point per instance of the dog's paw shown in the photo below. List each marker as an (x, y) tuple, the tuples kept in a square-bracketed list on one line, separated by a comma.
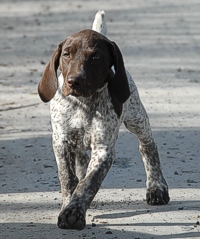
[(71, 218), (157, 196)]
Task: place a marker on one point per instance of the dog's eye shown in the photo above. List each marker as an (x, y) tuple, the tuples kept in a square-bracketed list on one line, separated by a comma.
[(96, 58), (66, 54)]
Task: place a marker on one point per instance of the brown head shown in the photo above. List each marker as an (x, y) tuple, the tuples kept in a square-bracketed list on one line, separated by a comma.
[(85, 59)]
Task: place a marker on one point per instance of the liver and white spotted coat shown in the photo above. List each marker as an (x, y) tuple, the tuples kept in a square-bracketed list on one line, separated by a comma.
[(89, 102)]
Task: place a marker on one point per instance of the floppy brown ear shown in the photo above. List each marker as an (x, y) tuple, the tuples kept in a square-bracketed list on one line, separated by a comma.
[(49, 82), (118, 85)]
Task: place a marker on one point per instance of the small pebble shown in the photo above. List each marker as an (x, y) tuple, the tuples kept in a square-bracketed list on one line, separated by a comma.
[(191, 181), (180, 208), (48, 166), (28, 146), (108, 232)]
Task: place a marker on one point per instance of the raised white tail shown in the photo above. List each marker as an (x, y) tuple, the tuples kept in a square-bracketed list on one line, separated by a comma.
[(99, 23)]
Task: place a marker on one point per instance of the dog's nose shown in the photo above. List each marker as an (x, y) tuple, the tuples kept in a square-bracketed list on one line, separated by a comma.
[(74, 82)]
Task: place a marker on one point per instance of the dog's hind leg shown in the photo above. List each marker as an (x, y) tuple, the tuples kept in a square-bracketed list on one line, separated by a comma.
[(137, 121)]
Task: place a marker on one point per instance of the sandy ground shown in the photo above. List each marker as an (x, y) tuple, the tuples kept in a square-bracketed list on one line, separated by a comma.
[(160, 41)]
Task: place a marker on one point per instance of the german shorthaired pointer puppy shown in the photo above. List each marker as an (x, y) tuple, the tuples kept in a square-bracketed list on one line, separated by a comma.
[(91, 98)]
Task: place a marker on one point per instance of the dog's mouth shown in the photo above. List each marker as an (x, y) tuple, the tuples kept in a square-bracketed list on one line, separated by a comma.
[(74, 91), (81, 92), (85, 90)]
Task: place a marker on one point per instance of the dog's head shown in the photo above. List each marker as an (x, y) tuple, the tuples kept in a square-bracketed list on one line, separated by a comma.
[(85, 60)]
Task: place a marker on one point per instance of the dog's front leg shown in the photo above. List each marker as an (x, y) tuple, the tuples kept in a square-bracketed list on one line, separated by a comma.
[(73, 216), (65, 159)]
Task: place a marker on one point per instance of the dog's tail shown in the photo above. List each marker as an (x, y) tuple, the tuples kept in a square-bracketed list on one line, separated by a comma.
[(99, 23)]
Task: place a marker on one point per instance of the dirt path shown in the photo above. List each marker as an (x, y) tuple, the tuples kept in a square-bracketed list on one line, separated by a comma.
[(160, 41)]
